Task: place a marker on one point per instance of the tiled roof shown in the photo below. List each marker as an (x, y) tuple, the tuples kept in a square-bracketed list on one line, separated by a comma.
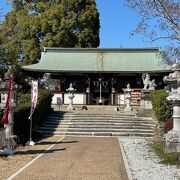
[(100, 60)]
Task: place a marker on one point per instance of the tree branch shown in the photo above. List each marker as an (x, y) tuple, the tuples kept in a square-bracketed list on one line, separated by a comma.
[(168, 17)]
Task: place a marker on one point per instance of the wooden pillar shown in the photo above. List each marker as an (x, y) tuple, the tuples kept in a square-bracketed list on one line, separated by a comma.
[(88, 89)]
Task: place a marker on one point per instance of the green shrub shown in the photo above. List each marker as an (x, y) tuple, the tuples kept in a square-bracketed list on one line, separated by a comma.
[(160, 105), (22, 112)]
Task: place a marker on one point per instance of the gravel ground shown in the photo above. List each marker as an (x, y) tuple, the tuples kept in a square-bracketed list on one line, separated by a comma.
[(144, 163), (23, 154)]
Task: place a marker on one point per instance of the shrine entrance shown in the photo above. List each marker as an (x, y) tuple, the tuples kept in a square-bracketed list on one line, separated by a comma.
[(101, 89), (104, 100)]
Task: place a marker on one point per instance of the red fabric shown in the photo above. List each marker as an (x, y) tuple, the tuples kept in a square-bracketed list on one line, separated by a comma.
[(5, 119)]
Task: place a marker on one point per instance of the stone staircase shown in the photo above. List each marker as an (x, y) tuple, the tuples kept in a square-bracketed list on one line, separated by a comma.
[(97, 124)]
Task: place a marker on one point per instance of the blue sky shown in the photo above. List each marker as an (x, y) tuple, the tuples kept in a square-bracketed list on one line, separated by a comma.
[(116, 22)]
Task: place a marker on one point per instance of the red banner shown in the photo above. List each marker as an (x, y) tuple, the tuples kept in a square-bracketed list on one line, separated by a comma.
[(5, 119)]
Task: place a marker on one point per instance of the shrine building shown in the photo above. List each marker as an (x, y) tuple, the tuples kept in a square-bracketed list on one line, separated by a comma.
[(98, 73)]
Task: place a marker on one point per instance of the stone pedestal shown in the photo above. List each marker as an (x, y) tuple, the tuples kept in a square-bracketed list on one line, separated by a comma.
[(70, 107), (171, 147), (9, 127), (172, 141), (146, 99), (2, 138)]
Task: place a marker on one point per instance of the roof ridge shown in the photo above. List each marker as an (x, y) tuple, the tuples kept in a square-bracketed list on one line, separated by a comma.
[(101, 49)]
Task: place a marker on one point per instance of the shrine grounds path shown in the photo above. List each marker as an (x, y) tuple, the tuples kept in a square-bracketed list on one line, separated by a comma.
[(78, 158)]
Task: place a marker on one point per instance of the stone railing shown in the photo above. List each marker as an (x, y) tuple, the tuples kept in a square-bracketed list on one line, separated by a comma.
[(2, 138)]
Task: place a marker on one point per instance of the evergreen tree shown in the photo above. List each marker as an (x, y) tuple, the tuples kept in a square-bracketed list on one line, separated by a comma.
[(34, 24)]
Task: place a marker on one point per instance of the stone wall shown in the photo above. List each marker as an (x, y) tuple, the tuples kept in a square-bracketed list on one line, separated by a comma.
[(2, 138)]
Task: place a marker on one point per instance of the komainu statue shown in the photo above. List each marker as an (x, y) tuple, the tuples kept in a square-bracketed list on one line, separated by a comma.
[(46, 80), (148, 84)]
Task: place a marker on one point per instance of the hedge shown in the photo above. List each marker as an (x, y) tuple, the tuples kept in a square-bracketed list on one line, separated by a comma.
[(160, 105), (21, 114)]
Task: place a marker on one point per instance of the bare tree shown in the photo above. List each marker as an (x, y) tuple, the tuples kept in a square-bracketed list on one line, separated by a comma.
[(160, 19)]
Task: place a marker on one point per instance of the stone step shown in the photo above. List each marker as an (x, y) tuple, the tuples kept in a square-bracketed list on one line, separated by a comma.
[(63, 123), (93, 112), (96, 129), (91, 115), (97, 117), (99, 121), (147, 134), (91, 108), (99, 126)]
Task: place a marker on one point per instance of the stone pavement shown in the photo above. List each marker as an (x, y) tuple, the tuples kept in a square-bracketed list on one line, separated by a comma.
[(79, 158)]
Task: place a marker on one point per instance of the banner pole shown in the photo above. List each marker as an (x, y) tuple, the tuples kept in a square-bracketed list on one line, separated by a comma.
[(30, 133), (30, 142), (34, 101)]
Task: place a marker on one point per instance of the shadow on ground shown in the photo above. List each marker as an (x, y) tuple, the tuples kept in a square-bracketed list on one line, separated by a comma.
[(38, 151), (53, 142)]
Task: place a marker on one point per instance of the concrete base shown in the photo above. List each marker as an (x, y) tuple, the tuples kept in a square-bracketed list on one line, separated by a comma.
[(7, 151), (128, 109), (30, 143), (145, 113), (146, 104), (146, 99), (172, 147), (172, 141), (70, 109)]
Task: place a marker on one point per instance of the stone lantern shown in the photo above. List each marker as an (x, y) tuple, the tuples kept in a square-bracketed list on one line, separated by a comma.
[(71, 91), (4, 87), (172, 138), (128, 98)]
